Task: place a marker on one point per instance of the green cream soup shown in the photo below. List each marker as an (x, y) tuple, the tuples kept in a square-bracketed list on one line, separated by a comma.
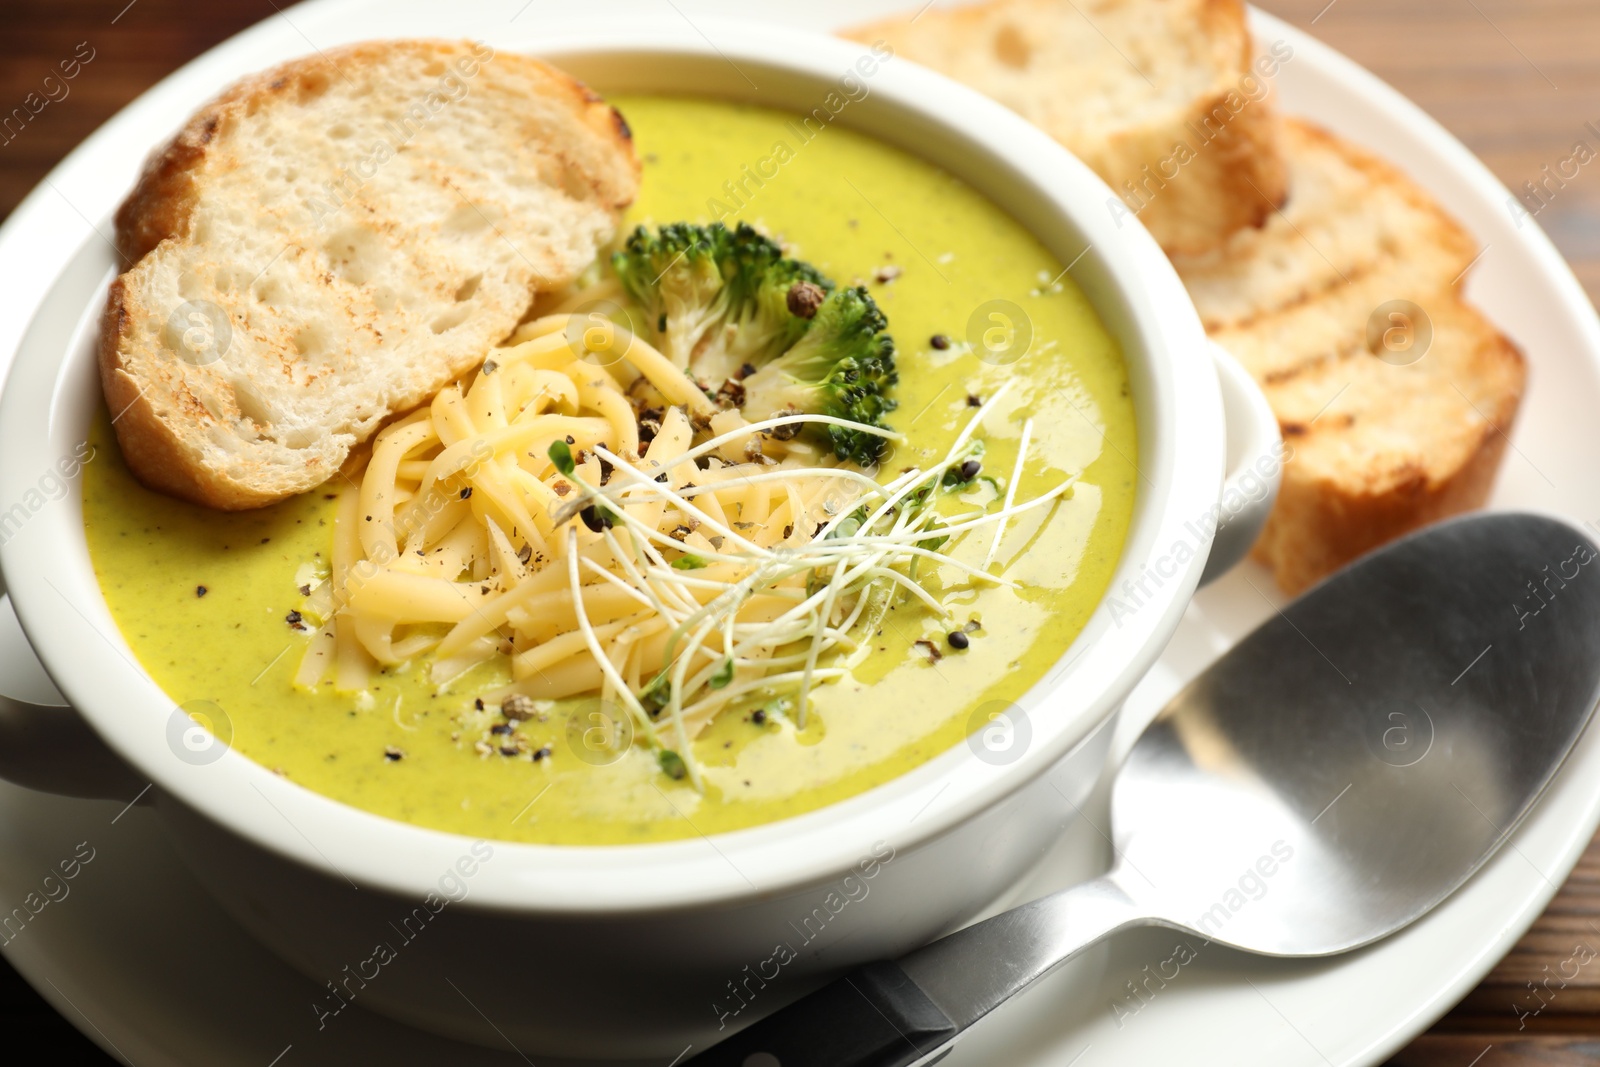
[(204, 598)]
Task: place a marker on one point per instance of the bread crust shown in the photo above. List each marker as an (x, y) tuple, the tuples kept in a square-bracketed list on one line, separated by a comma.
[(1234, 179), (1239, 179), (1237, 182), (1318, 525), (164, 196), (165, 451), (160, 458), (1377, 449)]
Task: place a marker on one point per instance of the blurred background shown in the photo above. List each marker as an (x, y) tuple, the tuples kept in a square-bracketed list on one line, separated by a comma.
[(1518, 82)]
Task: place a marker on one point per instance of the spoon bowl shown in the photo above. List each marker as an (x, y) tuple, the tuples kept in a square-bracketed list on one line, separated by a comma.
[(1348, 765), (1327, 782)]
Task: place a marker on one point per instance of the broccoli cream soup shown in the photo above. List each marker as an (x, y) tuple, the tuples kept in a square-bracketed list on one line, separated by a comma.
[(904, 602)]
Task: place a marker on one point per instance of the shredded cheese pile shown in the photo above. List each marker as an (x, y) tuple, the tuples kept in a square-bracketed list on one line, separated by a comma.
[(710, 564)]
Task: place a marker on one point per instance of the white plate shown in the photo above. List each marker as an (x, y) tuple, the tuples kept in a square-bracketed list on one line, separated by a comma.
[(138, 957)]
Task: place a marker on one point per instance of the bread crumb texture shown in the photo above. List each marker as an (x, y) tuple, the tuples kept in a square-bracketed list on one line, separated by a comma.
[(331, 241)]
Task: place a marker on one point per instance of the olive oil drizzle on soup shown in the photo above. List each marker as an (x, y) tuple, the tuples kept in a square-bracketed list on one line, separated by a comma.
[(208, 600)]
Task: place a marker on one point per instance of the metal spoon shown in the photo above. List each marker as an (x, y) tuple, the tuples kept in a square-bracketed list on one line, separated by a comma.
[(1326, 783)]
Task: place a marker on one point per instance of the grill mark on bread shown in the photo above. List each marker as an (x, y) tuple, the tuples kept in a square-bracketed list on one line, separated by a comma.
[(1379, 448)]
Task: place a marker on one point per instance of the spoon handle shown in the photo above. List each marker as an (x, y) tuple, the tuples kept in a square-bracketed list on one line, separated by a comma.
[(909, 1012), (875, 1016)]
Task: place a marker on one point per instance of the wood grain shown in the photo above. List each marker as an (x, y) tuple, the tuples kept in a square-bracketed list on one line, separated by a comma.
[(1516, 81)]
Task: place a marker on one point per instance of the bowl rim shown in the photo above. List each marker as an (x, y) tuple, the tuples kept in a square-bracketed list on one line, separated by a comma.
[(1181, 461)]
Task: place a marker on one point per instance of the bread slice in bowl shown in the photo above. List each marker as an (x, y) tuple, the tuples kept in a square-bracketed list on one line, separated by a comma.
[(1164, 99), (329, 242)]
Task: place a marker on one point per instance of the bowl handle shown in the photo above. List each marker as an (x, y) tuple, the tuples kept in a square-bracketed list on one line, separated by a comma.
[(44, 744), (1256, 453)]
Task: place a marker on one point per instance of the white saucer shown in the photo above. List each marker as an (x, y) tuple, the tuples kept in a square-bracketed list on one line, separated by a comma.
[(141, 960)]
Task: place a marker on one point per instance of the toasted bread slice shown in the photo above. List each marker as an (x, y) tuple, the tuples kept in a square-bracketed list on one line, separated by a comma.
[(330, 242), (1160, 97), (1381, 449), (1388, 431), (1350, 217)]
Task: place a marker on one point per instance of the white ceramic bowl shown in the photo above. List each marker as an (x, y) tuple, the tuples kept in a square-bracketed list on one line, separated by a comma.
[(641, 950)]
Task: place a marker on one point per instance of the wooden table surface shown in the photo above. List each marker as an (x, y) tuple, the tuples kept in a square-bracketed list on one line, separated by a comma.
[(1516, 81)]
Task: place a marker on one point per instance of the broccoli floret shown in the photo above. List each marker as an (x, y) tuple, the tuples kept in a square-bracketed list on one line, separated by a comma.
[(724, 301), (718, 298), (780, 297), (676, 276), (843, 365)]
